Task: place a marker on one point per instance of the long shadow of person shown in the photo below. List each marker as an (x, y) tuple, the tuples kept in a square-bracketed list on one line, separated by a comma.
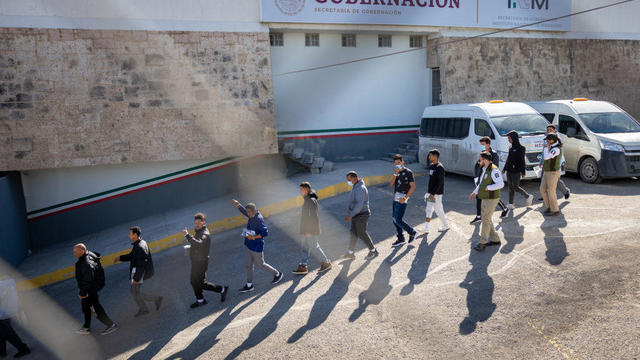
[(479, 286), (421, 263), (269, 322), (554, 239), (514, 235), (324, 305), (380, 287)]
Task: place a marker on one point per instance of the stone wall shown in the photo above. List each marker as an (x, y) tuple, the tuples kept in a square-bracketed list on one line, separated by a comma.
[(524, 69), (88, 97)]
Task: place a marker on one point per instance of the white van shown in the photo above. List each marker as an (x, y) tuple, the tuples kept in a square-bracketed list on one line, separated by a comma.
[(455, 130), (600, 140)]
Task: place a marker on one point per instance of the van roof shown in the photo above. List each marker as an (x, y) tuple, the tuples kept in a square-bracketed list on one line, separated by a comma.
[(490, 109), (585, 106)]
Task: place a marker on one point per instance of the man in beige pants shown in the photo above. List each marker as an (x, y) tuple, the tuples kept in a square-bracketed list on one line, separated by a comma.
[(488, 190), (552, 156)]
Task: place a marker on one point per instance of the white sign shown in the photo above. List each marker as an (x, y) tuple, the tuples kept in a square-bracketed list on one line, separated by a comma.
[(459, 13)]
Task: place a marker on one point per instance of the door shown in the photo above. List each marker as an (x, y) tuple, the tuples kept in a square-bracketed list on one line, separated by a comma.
[(574, 140), (481, 127)]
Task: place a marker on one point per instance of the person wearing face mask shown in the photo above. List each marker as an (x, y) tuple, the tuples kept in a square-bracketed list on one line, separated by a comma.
[(404, 185), (515, 168), (433, 197), (552, 156), (358, 213), (485, 142), (254, 236), (551, 129), (488, 191)]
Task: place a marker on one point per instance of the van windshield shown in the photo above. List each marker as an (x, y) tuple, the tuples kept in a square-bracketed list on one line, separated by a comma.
[(523, 124), (611, 122)]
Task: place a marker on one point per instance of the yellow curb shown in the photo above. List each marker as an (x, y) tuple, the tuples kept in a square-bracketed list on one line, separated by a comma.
[(215, 227)]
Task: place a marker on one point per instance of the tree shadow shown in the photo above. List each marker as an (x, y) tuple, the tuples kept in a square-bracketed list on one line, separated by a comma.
[(421, 262), (479, 286), (269, 322), (554, 239), (515, 238), (380, 287), (324, 305)]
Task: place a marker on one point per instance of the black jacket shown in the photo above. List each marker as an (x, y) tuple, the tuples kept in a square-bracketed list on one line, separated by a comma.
[(516, 158), (436, 179), (200, 244), (139, 258), (85, 273), (495, 157), (309, 223)]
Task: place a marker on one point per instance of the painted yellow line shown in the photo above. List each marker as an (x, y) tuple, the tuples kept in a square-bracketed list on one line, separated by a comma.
[(215, 227), (564, 350)]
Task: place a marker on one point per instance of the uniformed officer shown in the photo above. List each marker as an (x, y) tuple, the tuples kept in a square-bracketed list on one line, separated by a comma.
[(488, 190)]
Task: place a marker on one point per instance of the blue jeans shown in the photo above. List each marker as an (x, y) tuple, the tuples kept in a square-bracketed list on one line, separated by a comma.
[(400, 224), (306, 249)]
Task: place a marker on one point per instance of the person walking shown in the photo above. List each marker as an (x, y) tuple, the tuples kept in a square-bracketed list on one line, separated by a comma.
[(488, 191), (552, 156), (495, 159), (90, 278), (404, 186), (358, 213), (310, 231), (254, 236), (140, 269), (200, 243), (566, 192), (433, 197), (516, 169), (9, 309)]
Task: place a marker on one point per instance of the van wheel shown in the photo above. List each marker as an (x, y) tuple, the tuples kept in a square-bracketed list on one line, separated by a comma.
[(589, 171)]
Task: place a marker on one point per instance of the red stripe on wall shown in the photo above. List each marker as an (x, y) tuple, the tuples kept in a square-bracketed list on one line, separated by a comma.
[(346, 135)]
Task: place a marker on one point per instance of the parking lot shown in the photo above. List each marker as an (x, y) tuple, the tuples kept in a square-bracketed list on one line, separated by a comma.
[(565, 287)]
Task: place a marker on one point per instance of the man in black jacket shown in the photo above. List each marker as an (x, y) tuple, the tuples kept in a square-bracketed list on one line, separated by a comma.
[(140, 268), (433, 197), (309, 230), (515, 167), (90, 278), (495, 159), (200, 244)]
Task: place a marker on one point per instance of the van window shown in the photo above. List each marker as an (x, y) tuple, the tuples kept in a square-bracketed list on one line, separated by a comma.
[(549, 117), (523, 124), (569, 126), (450, 128), (612, 122), (483, 128)]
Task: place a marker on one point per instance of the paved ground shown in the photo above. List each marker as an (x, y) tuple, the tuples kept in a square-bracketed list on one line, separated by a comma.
[(566, 287)]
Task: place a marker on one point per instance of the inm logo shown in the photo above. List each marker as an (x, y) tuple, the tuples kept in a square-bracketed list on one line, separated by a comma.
[(528, 4)]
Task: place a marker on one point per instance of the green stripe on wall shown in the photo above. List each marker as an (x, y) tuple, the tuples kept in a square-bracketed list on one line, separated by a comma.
[(130, 186), (348, 129)]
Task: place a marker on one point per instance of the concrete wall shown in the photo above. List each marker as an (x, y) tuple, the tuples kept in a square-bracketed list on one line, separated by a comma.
[(14, 241), (529, 69)]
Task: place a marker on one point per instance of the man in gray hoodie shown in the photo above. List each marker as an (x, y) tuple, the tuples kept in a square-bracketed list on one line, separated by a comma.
[(358, 213)]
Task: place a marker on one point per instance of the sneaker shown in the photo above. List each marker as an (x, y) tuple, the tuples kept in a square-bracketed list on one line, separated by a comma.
[(412, 237), (566, 196), (540, 198), (399, 242), (198, 304), (24, 352), (444, 228), (301, 270), (326, 266), (277, 278), (83, 331), (555, 213), (475, 220), (158, 303), (511, 207), (247, 288), (505, 212), (530, 200), (492, 243), (141, 313), (110, 329), (480, 247), (223, 293), (372, 254), (349, 256)]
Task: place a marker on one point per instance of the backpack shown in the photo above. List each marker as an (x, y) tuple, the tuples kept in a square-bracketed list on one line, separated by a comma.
[(99, 275), (148, 269)]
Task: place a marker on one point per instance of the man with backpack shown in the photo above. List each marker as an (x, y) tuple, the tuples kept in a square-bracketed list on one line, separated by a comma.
[(140, 269), (90, 278)]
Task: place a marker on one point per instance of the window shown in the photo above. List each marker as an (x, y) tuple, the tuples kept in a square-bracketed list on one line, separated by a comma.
[(312, 39), (450, 128), (570, 127), (482, 128), (523, 124), (276, 39), (612, 122), (436, 88), (348, 40), (415, 41), (549, 117), (384, 40)]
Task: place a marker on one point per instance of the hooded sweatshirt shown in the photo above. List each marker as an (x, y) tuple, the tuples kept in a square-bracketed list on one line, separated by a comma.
[(309, 223), (259, 226), (516, 158)]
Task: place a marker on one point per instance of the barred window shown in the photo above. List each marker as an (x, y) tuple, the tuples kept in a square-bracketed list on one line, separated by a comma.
[(348, 40), (384, 40), (415, 41), (276, 39), (312, 39)]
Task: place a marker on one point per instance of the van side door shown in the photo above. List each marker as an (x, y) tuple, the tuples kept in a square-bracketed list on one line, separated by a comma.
[(573, 138), (481, 127)]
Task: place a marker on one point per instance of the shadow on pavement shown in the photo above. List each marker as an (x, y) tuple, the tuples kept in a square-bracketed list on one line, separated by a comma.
[(554, 239), (421, 262), (513, 234), (479, 286)]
